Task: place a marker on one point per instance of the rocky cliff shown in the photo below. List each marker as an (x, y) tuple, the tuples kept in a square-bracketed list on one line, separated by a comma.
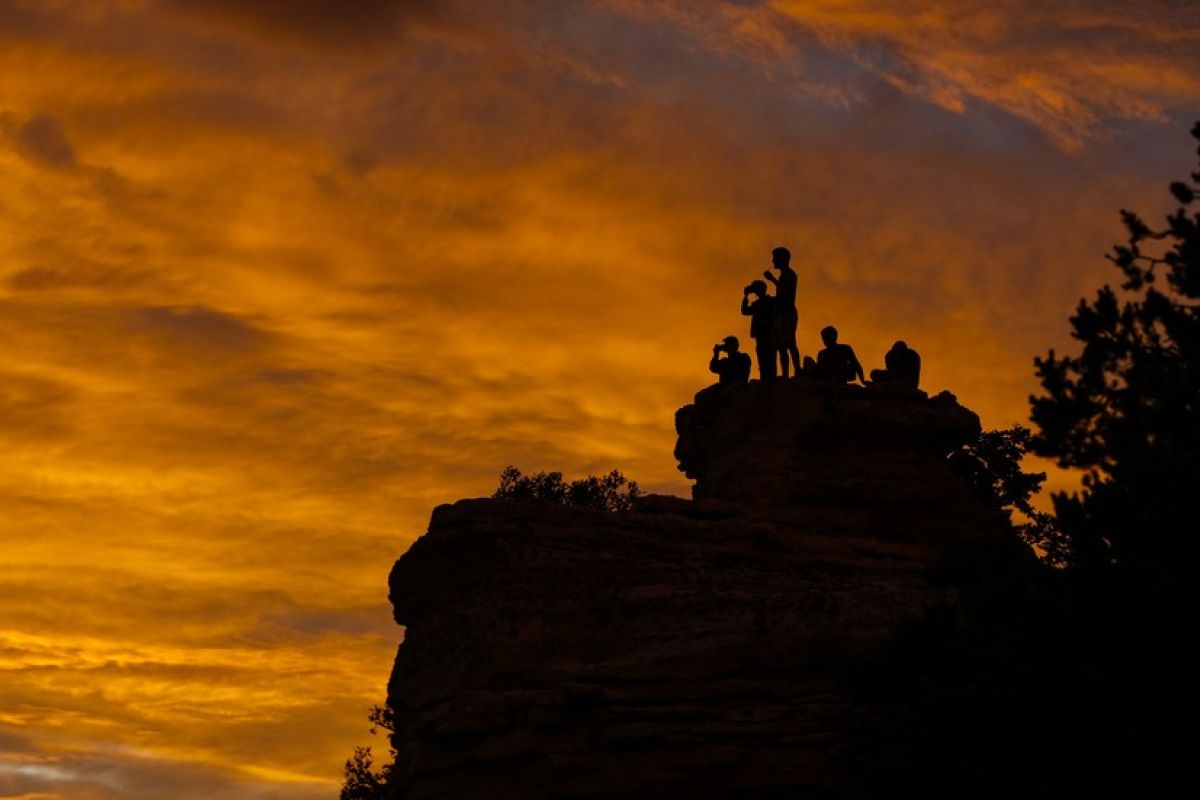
[(689, 648)]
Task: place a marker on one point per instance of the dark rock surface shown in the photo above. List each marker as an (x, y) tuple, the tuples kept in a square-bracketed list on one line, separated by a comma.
[(796, 443), (700, 648)]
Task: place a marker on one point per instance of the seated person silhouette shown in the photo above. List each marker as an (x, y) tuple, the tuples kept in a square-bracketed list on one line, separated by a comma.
[(903, 367), (836, 363), (762, 326), (734, 369)]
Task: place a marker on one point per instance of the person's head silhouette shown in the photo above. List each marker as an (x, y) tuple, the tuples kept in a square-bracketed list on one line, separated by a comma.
[(900, 346), (757, 287), (829, 335), (781, 257), (731, 344)]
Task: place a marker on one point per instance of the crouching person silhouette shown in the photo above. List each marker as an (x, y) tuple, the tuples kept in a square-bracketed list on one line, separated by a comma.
[(836, 363), (903, 367), (734, 369), (762, 326)]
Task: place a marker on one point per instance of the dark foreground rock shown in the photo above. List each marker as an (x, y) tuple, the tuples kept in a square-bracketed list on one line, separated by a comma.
[(793, 443), (705, 648)]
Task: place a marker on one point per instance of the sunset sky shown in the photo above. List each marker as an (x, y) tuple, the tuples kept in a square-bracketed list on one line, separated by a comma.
[(277, 277)]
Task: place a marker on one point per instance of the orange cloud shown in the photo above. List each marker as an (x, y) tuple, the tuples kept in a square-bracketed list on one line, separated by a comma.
[(1065, 68), (318, 22)]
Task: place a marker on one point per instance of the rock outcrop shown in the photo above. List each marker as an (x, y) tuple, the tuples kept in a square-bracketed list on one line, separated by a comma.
[(871, 461), (690, 648)]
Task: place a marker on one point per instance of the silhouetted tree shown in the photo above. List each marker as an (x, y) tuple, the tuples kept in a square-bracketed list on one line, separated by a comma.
[(611, 492), (1126, 409), (991, 466), (362, 780)]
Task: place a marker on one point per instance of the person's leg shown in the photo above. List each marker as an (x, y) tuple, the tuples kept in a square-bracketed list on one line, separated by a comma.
[(788, 340), (765, 353), (792, 349), (780, 327)]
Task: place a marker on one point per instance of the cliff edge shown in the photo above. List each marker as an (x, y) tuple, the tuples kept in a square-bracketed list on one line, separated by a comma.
[(689, 648)]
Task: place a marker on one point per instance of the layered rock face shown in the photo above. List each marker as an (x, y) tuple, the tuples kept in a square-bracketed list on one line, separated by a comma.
[(690, 648), (871, 460)]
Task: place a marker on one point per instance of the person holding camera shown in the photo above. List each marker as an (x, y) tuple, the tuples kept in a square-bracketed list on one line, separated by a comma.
[(734, 369), (761, 312)]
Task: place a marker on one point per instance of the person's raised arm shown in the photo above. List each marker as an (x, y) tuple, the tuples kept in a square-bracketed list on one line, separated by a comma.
[(746, 306), (771, 277), (715, 361)]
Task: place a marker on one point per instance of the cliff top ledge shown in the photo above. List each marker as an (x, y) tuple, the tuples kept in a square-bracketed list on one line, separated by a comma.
[(793, 443)]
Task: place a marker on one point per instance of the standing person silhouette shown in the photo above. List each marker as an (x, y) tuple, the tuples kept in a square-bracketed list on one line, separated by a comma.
[(786, 316), (762, 327)]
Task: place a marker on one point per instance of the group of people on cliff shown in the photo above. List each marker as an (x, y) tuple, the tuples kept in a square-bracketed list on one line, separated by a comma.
[(773, 323)]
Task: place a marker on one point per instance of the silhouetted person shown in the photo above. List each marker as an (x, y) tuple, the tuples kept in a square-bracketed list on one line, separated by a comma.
[(786, 315), (836, 362), (762, 327), (903, 367), (734, 369)]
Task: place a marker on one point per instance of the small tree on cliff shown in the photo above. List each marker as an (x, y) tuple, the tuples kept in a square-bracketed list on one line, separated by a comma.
[(1127, 408), (991, 466), (611, 492), (362, 781)]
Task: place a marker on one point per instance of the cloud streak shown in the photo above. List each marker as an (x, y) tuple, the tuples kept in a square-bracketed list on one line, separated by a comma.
[(1069, 68), (41, 140), (322, 23)]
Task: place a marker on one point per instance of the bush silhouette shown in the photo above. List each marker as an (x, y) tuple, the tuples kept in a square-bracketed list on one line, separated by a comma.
[(991, 466), (362, 781), (611, 492)]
